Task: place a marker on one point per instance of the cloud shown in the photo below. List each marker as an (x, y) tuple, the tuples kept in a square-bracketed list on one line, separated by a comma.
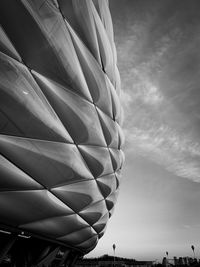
[(159, 71), (175, 152)]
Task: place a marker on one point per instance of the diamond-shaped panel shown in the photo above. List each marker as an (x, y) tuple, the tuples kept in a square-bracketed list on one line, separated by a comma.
[(12, 178), (97, 159), (79, 195)]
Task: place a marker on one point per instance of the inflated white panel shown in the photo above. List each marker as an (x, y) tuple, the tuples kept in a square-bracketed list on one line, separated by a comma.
[(15, 206), (97, 159), (12, 178), (79, 195)]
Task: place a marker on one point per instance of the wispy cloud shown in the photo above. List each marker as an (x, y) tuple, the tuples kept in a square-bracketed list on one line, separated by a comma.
[(160, 97), (175, 152)]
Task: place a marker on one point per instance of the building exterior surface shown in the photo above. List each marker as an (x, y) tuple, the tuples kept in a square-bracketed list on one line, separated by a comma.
[(60, 129)]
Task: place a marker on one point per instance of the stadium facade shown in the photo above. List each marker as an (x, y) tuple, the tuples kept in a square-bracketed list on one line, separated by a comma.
[(60, 134)]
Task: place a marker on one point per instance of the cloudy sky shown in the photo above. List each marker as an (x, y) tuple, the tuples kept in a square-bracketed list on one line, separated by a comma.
[(158, 210)]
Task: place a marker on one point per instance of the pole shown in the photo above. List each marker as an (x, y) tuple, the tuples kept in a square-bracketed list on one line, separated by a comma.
[(192, 247), (114, 247)]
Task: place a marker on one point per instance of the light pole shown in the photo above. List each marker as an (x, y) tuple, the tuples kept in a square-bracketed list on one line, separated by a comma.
[(192, 247), (167, 262), (114, 247)]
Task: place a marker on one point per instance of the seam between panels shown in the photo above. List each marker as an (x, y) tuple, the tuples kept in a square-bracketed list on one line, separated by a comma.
[(49, 190), (75, 182), (20, 62), (36, 139)]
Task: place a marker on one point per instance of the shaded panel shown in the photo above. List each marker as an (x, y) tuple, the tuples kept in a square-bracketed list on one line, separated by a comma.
[(48, 163), (97, 159), (107, 184), (94, 212), (56, 226), (100, 226), (117, 157), (27, 206), (104, 14), (89, 244), (117, 82), (111, 200), (110, 129), (118, 176), (121, 136), (79, 195), (78, 236), (116, 106), (12, 178)]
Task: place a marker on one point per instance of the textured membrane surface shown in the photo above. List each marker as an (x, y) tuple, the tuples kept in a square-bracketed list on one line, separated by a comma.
[(60, 117)]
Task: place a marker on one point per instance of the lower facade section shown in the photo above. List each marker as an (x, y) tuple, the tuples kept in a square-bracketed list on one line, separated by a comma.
[(20, 250)]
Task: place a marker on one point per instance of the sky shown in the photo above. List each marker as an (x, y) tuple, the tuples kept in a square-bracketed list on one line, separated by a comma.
[(158, 208)]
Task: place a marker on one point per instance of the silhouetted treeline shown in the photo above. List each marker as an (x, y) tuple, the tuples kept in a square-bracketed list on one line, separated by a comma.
[(110, 259)]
